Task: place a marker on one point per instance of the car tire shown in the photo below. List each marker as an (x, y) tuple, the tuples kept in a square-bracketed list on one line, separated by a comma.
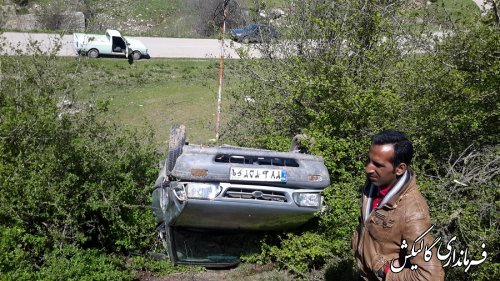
[(93, 53), (175, 144), (136, 55), (245, 41)]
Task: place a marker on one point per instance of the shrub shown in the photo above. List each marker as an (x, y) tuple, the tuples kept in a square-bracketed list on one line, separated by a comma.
[(15, 259), (72, 263), (209, 15), (350, 72), (74, 187), (301, 253), (157, 267), (472, 175)]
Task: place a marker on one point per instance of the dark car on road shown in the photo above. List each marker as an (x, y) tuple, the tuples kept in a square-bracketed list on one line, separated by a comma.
[(254, 33), (207, 198)]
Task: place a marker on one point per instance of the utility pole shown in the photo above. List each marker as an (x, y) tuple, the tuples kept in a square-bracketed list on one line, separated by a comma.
[(221, 70)]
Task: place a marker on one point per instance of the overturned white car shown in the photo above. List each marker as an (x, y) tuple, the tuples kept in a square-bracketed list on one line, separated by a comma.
[(213, 195)]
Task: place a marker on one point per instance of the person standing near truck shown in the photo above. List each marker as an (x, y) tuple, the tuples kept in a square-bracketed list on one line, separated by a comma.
[(394, 216)]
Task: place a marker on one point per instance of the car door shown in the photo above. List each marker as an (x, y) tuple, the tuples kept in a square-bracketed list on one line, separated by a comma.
[(255, 35), (119, 46)]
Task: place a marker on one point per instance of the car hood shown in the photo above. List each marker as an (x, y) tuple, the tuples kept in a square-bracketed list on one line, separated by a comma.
[(134, 43), (237, 31)]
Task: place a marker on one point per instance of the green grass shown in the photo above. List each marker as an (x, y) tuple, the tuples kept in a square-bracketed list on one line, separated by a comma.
[(172, 18), (168, 18), (163, 105), (456, 10), (155, 93)]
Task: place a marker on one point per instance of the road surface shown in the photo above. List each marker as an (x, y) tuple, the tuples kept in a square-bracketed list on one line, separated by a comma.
[(157, 47)]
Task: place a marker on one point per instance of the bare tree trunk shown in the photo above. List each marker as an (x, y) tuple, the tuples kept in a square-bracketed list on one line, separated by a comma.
[(494, 6)]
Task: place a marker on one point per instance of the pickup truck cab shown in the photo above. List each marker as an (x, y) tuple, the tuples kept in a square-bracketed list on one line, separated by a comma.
[(112, 43)]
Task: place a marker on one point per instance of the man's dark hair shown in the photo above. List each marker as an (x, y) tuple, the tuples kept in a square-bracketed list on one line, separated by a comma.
[(403, 148)]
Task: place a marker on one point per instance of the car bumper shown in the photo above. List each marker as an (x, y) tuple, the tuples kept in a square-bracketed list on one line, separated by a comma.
[(241, 215), (251, 213)]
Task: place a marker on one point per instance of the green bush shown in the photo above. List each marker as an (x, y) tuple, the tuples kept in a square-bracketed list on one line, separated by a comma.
[(474, 176), (72, 263), (350, 72), (301, 252), (341, 269), (74, 187), (15, 259), (157, 267)]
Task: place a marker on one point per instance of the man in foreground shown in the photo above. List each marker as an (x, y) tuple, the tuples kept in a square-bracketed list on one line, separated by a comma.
[(394, 217)]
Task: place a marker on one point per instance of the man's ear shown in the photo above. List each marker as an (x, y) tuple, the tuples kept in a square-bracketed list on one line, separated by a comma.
[(401, 169)]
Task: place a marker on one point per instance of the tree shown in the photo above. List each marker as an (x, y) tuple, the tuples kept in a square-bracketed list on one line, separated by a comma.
[(74, 187), (346, 70), (209, 15)]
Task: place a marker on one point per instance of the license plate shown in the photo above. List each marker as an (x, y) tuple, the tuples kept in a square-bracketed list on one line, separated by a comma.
[(257, 174)]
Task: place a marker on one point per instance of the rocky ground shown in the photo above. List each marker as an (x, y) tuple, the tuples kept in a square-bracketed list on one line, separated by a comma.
[(69, 15)]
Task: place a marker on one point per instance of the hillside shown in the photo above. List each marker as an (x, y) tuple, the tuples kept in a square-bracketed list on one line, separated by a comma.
[(167, 18), (170, 18)]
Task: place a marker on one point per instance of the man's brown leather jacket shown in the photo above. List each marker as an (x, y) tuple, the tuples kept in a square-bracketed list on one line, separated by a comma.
[(403, 214)]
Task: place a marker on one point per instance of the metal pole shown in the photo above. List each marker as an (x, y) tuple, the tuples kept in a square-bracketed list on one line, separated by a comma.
[(221, 72)]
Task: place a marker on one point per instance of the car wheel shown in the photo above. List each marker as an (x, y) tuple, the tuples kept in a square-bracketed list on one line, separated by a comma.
[(175, 144), (246, 40), (136, 55), (93, 53)]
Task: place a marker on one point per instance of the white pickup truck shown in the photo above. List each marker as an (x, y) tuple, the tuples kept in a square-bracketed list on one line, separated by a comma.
[(112, 43)]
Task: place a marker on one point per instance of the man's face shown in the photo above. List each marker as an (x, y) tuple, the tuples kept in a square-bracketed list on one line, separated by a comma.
[(379, 168)]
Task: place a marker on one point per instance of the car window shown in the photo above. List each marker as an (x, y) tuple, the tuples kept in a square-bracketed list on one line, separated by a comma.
[(255, 160), (250, 27), (201, 246)]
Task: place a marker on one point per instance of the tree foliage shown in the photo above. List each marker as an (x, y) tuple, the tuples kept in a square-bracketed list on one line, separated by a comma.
[(345, 70), (69, 179), (209, 15)]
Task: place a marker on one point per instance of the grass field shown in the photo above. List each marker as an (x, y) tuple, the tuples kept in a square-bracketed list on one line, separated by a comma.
[(456, 10), (161, 92), (165, 104), (155, 93)]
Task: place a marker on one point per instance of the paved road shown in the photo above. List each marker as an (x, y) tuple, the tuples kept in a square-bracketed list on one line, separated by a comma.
[(158, 47)]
